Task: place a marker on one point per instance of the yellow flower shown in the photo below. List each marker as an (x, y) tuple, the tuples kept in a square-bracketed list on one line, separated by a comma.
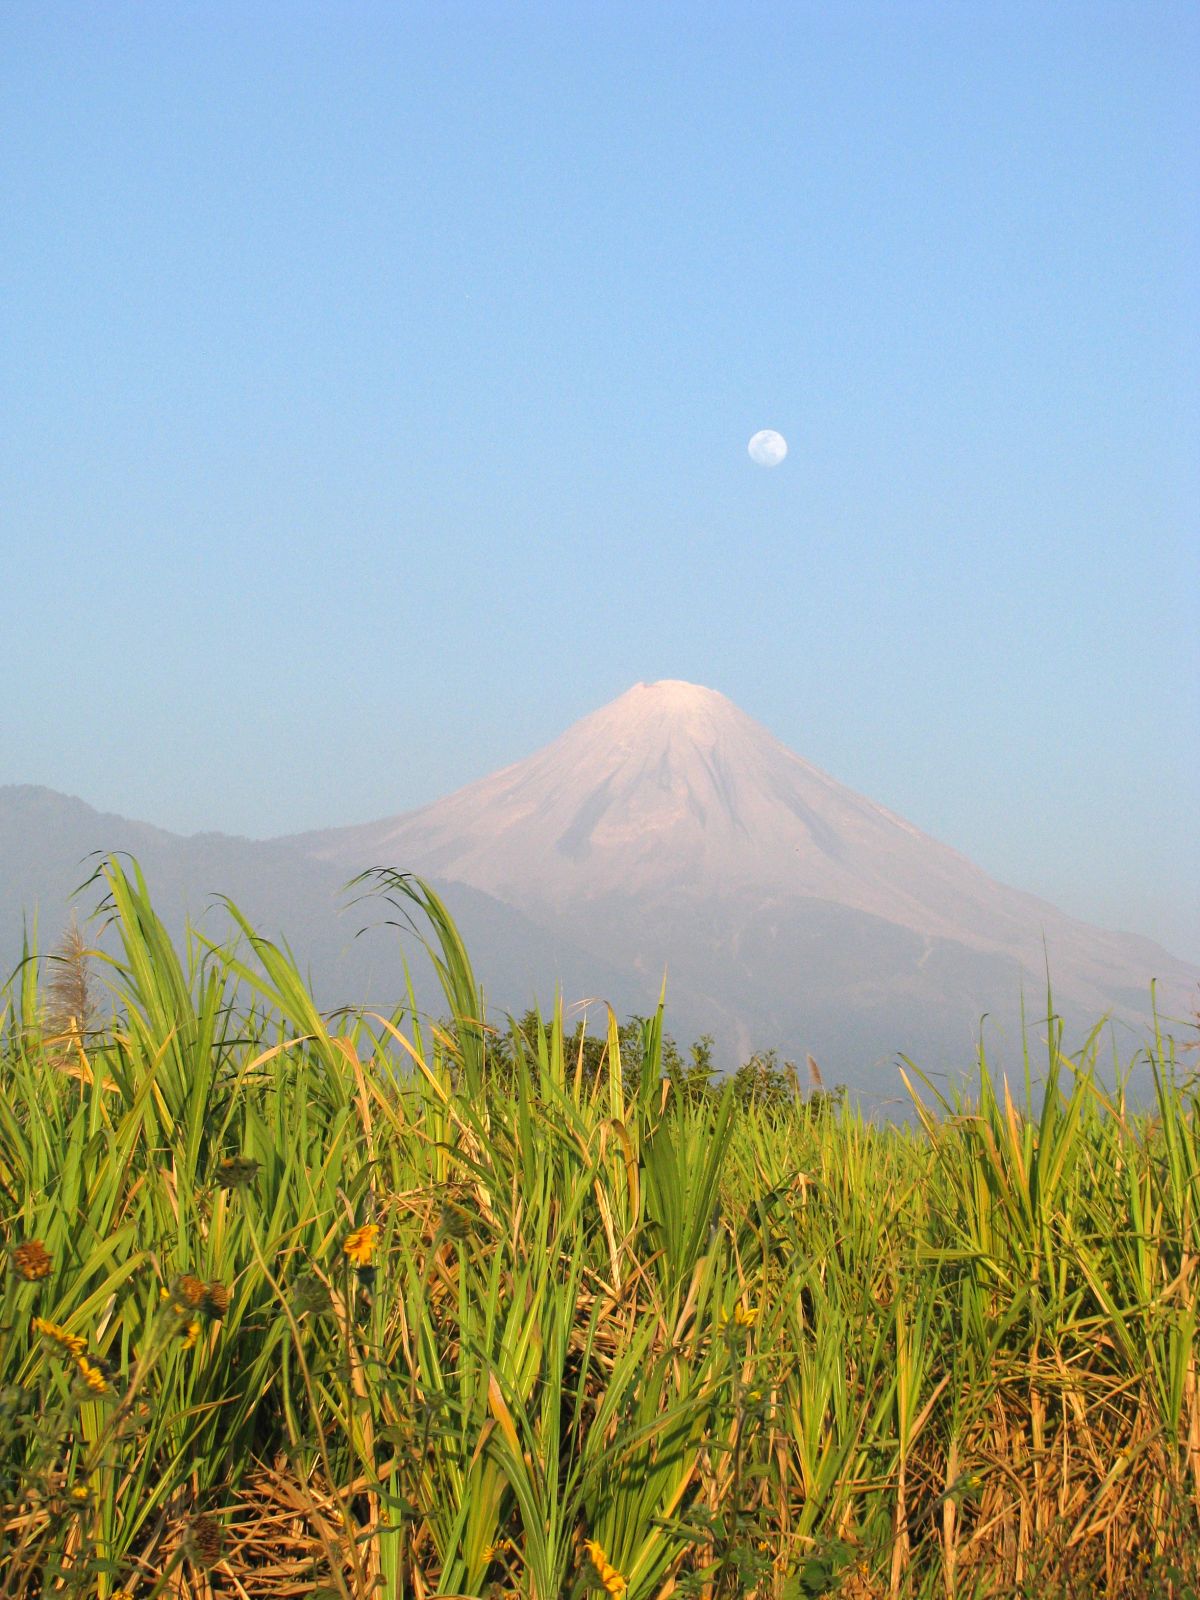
[(362, 1244), (612, 1580), (32, 1260), (70, 1342), (93, 1375), (191, 1333)]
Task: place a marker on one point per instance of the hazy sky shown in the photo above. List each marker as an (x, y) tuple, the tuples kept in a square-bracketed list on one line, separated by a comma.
[(377, 378)]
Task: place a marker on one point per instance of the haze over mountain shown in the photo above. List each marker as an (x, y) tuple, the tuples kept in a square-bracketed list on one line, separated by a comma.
[(667, 830)]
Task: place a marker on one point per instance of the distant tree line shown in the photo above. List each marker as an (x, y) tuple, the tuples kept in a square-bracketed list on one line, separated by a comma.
[(762, 1081)]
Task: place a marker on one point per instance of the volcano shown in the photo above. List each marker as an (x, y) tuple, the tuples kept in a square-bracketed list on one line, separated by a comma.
[(670, 832)]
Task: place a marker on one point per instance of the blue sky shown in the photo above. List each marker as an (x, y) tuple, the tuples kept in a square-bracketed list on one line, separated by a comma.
[(377, 381)]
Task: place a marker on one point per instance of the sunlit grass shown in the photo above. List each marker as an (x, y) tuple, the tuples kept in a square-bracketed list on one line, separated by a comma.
[(366, 1306)]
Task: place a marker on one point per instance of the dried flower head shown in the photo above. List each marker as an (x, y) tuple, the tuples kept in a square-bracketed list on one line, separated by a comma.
[(204, 1540), (32, 1260), (236, 1172), (612, 1580), (455, 1220), (185, 1296), (361, 1245), (70, 1342), (215, 1302)]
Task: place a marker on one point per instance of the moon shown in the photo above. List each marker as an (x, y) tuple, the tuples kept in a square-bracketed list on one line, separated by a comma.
[(767, 448)]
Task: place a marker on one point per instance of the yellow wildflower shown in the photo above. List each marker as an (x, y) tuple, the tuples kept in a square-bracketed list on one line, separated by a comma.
[(70, 1342), (612, 1580), (191, 1333), (92, 1374), (32, 1260), (362, 1244), (742, 1316)]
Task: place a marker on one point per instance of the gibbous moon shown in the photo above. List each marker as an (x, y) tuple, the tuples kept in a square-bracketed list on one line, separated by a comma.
[(767, 448)]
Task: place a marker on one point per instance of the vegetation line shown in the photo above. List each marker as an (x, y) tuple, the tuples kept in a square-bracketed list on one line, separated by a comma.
[(299, 1305)]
